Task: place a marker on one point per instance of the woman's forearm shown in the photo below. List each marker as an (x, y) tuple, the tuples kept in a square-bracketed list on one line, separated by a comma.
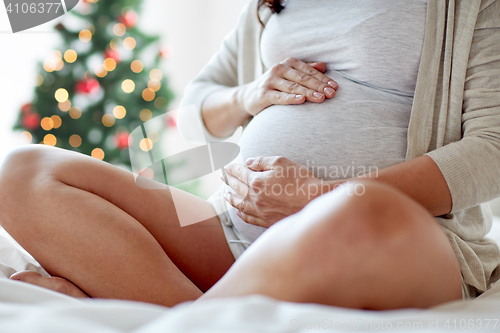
[(222, 112), (420, 178)]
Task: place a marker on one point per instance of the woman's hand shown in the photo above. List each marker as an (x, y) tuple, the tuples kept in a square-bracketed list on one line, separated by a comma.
[(288, 82), (269, 189)]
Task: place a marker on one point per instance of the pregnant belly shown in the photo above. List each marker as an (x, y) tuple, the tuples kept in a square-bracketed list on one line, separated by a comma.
[(334, 139)]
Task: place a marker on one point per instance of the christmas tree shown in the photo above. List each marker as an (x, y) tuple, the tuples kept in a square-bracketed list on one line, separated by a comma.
[(103, 82)]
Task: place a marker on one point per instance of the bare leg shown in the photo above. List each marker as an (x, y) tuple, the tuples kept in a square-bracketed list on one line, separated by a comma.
[(380, 250), (88, 222)]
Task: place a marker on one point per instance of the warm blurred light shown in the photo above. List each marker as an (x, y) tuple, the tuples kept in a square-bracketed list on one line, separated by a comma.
[(128, 86), (160, 103), (92, 1), (148, 173), (136, 66), (85, 35), (155, 85), (47, 123), (57, 121), (155, 74), (108, 120), (61, 95), (98, 153), (59, 65), (65, 106), (50, 140), (119, 112), (115, 43), (49, 65), (70, 56), (38, 80), (154, 136), (75, 112), (109, 64), (26, 137), (100, 71), (75, 141), (57, 54), (129, 43), (146, 144), (145, 114), (119, 29), (148, 94)]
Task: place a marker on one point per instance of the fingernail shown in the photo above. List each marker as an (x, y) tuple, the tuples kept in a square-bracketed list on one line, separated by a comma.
[(317, 94), (238, 213), (298, 96), (329, 91), (333, 84), (250, 161)]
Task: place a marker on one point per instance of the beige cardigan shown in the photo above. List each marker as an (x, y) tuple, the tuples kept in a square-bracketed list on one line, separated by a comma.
[(455, 117)]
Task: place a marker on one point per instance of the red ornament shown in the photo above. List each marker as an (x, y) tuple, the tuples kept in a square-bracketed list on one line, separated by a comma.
[(31, 121), (26, 108), (121, 140), (172, 121), (129, 19), (112, 54), (89, 86), (164, 52)]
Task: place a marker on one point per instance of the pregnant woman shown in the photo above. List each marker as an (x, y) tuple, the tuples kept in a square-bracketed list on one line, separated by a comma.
[(405, 92)]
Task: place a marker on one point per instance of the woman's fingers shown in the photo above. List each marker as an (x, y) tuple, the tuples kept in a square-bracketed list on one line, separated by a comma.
[(311, 71), (281, 98), (301, 78)]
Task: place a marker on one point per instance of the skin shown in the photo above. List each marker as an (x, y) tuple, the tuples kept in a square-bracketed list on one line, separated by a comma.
[(99, 234)]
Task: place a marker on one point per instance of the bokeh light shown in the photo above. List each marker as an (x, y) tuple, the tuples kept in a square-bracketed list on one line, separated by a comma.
[(38, 80), (65, 106), (75, 141), (108, 120), (100, 71), (119, 29), (129, 43), (26, 137), (155, 85), (98, 153), (160, 103), (47, 123), (146, 114), (119, 112), (146, 144), (136, 66), (75, 112), (50, 140), (56, 121), (70, 56), (85, 35), (128, 86), (148, 94), (61, 95), (155, 74), (109, 64)]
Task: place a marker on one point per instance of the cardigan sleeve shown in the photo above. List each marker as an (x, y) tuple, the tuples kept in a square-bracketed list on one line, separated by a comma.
[(220, 72), (471, 166)]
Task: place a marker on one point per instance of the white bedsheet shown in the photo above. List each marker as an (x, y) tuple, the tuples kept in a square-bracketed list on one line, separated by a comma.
[(27, 308)]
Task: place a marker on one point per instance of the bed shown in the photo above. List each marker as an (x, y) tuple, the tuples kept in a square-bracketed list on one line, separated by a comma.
[(27, 308)]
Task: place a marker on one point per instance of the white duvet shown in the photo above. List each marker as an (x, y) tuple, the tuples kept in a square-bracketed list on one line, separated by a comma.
[(27, 308)]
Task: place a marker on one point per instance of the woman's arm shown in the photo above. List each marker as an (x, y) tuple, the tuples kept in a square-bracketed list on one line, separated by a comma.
[(271, 188), (420, 178)]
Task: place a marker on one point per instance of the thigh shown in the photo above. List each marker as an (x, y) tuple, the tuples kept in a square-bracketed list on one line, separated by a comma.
[(381, 250), (200, 250)]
